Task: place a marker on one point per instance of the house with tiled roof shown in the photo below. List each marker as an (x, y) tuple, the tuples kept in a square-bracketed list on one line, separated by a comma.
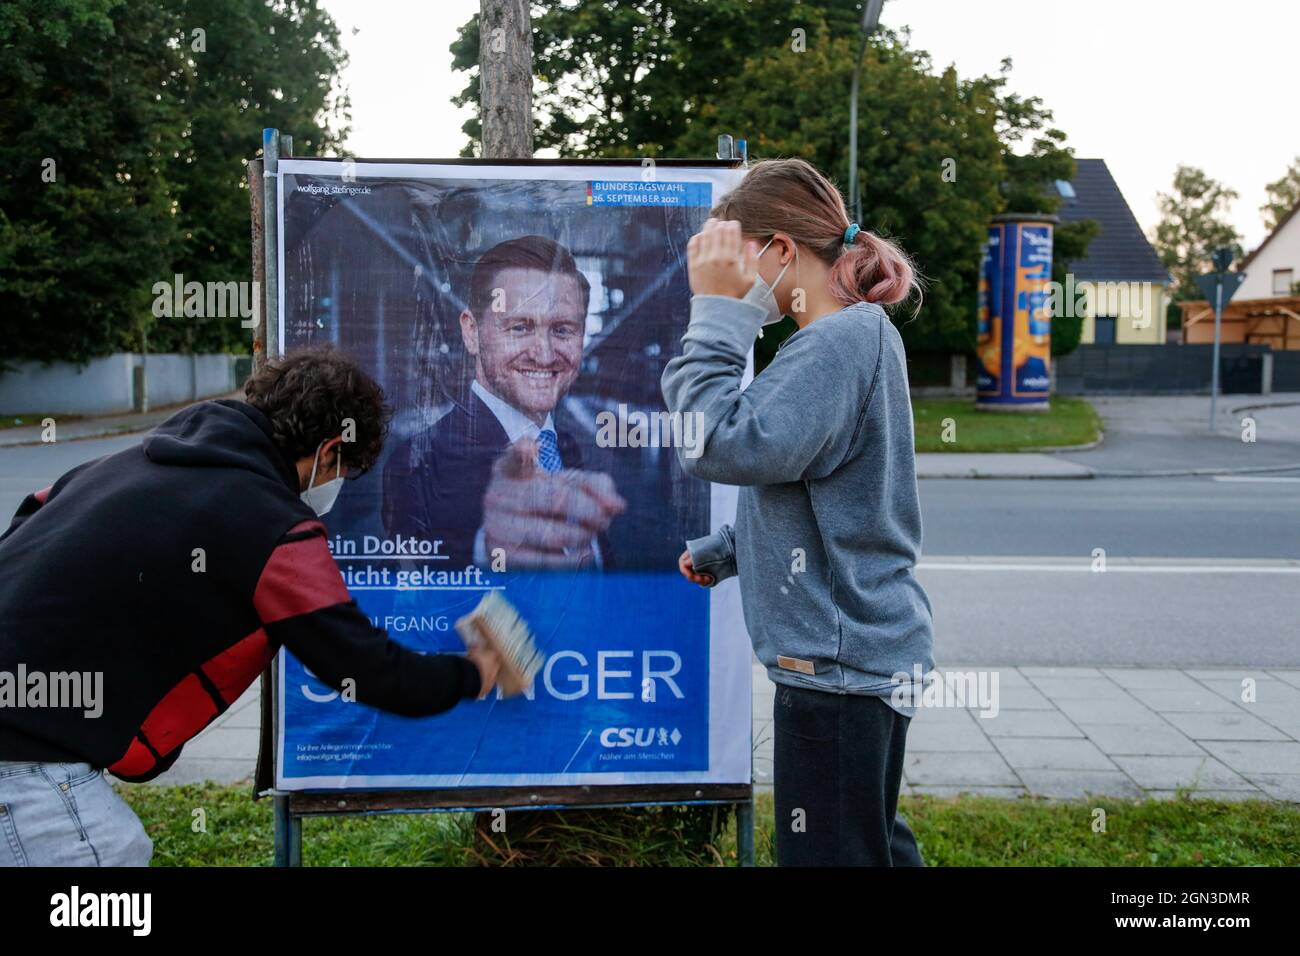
[(1273, 269), (1121, 286)]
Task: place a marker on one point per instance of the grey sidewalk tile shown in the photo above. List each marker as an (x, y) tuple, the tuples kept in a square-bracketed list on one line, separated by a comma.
[(1141, 739), (223, 742), (1007, 676), (1070, 673), (1224, 795), (1257, 756), (1074, 784), (1150, 678), (1005, 793), (1266, 689), (958, 769), (1087, 688), (216, 769), (940, 736), (1131, 712), (1029, 723), (1225, 673), (1199, 700), (1279, 786), (246, 717), (1038, 753), (1213, 726), (1018, 698), (1291, 677), (1170, 773)]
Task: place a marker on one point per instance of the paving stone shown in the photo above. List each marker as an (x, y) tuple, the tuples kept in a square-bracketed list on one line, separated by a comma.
[(940, 736), (1089, 688), (1018, 698), (1170, 773), (1029, 723), (1073, 784), (1279, 786), (1215, 726), (1132, 739), (1150, 678), (1006, 793), (1039, 753), (1084, 711), (1257, 756), (958, 769), (1224, 795), (1063, 672), (1200, 700)]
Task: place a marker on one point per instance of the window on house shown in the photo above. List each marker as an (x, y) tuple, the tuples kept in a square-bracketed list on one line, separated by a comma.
[(1103, 330), (1283, 279)]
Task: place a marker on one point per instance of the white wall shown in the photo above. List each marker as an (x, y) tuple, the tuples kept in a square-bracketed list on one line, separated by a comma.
[(1281, 252), (106, 385)]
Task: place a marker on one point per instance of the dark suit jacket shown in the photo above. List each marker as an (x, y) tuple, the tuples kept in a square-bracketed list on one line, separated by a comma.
[(434, 480)]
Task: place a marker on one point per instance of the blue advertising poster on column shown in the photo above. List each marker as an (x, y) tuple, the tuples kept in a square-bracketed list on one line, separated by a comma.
[(496, 304), (1014, 326)]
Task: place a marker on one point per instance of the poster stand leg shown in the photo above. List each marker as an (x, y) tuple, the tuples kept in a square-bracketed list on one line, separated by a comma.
[(288, 833), (745, 832)]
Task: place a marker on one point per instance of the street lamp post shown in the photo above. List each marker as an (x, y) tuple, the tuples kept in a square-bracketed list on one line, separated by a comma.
[(870, 20)]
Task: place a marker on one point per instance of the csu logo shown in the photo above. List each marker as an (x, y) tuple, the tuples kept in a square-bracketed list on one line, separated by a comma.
[(639, 736)]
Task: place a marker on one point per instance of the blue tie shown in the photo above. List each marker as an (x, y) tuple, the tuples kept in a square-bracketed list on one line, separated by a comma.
[(548, 451)]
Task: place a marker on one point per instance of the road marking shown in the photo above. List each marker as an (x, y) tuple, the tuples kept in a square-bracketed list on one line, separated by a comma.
[(1252, 478), (1114, 566)]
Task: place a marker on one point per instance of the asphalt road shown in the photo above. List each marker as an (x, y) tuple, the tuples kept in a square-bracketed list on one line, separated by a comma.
[(1196, 573)]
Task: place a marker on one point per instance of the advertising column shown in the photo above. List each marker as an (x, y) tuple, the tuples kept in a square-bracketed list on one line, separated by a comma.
[(1014, 332)]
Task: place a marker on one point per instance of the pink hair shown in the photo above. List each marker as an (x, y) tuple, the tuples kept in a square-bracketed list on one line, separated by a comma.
[(791, 196)]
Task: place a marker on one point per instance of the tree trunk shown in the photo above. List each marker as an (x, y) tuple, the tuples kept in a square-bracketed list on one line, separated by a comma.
[(506, 78)]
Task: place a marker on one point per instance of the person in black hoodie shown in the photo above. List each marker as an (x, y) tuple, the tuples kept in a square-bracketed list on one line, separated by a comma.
[(166, 577)]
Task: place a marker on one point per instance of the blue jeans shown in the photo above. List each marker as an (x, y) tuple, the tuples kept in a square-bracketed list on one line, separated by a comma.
[(66, 814)]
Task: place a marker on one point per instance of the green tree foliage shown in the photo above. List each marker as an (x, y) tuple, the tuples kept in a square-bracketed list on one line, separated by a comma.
[(262, 65), (1192, 225), (1283, 194), (145, 127), (938, 155), (81, 83)]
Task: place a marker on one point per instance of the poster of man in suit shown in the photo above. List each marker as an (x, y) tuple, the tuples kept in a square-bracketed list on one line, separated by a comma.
[(519, 318)]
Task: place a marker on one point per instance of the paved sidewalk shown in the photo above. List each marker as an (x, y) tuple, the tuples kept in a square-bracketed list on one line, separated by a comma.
[(1060, 732), (71, 428)]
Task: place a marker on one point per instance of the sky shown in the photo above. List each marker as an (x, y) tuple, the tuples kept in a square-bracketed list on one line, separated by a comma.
[(1144, 84)]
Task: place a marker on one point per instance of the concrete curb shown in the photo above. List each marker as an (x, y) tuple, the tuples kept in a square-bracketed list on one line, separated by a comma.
[(108, 426)]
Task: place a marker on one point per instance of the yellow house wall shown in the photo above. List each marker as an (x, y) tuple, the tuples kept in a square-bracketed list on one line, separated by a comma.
[(1138, 307)]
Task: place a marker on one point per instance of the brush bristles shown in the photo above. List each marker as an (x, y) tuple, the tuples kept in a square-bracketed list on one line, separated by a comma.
[(497, 622)]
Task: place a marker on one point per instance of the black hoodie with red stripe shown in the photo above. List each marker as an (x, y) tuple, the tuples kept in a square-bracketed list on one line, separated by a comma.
[(176, 569)]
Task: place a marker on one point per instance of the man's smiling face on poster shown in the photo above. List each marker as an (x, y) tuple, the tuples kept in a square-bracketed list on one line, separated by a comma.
[(528, 342)]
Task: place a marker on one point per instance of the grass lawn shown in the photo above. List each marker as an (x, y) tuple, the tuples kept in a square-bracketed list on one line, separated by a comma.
[(963, 831), (18, 421), (1071, 421)]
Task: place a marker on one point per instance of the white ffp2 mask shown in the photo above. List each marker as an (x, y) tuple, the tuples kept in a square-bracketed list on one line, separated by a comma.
[(763, 295), (320, 498)]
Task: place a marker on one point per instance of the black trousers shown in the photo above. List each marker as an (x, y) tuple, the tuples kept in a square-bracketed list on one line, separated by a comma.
[(838, 764)]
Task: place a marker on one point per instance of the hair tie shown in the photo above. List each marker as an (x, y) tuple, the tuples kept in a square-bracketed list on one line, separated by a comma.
[(851, 233)]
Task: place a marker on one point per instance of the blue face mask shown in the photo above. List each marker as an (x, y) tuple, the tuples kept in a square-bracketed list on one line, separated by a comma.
[(763, 295)]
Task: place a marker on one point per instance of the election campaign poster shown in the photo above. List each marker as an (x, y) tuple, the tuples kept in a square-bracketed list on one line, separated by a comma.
[(494, 303)]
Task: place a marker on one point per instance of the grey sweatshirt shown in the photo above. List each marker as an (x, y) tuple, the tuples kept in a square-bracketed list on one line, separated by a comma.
[(828, 524)]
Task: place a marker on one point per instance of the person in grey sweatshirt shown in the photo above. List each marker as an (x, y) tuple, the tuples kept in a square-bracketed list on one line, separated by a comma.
[(828, 525)]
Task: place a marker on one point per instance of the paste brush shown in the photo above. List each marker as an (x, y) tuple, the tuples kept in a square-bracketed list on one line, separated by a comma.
[(496, 624)]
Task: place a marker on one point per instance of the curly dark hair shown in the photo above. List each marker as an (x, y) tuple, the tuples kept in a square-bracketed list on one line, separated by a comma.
[(308, 396)]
